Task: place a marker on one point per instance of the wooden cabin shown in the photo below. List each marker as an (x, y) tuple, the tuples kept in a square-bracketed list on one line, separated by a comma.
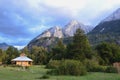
[(117, 66), (22, 60), (0, 63)]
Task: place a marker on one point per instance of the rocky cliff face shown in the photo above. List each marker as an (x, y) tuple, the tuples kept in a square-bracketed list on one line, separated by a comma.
[(50, 36), (67, 31), (52, 32), (107, 30), (72, 26)]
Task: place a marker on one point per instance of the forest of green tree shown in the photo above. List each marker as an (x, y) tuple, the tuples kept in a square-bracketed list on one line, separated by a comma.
[(103, 54)]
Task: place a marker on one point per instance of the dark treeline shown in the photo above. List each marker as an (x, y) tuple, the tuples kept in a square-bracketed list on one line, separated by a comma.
[(7, 55), (80, 49), (81, 57)]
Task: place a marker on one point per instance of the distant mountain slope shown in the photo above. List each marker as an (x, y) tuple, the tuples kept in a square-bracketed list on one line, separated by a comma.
[(52, 35), (52, 32), (4, 46), (107, 27), (67, 31), (114, 16), (107, 30), (73, 25)]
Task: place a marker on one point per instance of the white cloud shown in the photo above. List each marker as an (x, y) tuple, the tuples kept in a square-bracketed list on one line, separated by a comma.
[(22, 39), (68, 4), (46, 11), (65, 3), (38, 15), (19, 47), (2, 39), (70, 8), (83, 10), (38, 28)]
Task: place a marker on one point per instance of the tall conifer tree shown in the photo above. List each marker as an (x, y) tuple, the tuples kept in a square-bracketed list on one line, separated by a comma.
[(80, 48)]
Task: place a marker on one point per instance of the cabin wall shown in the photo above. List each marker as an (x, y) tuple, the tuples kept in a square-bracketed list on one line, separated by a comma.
[(117, 66), (23, 63), (0, 63)]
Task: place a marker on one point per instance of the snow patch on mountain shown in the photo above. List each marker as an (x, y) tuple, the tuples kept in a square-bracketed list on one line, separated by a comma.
[(102, 29), (66, 31), (52, 32), (58, 32), (72, 26)]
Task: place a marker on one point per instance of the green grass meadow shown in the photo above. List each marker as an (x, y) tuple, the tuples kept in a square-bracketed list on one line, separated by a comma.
[(35, 72)]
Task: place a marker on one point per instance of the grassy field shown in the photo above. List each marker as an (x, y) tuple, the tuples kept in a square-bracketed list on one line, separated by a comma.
[(35, 72)]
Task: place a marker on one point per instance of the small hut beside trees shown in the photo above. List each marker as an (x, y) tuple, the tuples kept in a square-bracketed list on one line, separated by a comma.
[(117, 66), (22, 60)]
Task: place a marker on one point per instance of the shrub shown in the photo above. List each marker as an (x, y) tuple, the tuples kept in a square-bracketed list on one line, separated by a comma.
[(53, 64), (14, 65), (98, 69), (52, 72), (111, 69), (44, 77), (70, 67), (93, 66)]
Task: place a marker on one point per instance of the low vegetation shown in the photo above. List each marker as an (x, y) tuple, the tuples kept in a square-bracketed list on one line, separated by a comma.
[(68, 67), (39, 73)]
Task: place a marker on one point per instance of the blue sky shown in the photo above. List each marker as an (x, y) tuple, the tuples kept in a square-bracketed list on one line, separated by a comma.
[(22, 20)]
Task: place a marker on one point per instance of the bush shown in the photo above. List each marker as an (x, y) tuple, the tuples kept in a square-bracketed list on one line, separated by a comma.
[(70, 67), (53, 64), (98, 69), (111, 69), (52, 72), (14, 65), (44, 77), (93, 66)]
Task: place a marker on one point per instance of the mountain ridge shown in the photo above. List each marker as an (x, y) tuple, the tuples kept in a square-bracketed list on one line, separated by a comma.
[(107, 30), (67, 31), (4, 46), (52, 35), (114, 16)]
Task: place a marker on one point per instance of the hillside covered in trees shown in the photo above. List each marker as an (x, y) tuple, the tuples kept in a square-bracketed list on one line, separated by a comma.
[(78, 52)]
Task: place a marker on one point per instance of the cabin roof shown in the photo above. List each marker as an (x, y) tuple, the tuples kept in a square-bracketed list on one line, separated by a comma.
[(22, 58)]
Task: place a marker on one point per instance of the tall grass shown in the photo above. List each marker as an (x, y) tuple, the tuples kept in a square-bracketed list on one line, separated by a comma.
[(35, 72)]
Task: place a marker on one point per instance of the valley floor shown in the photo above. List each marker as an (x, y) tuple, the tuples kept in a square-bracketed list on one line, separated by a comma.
[(35, 72)]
